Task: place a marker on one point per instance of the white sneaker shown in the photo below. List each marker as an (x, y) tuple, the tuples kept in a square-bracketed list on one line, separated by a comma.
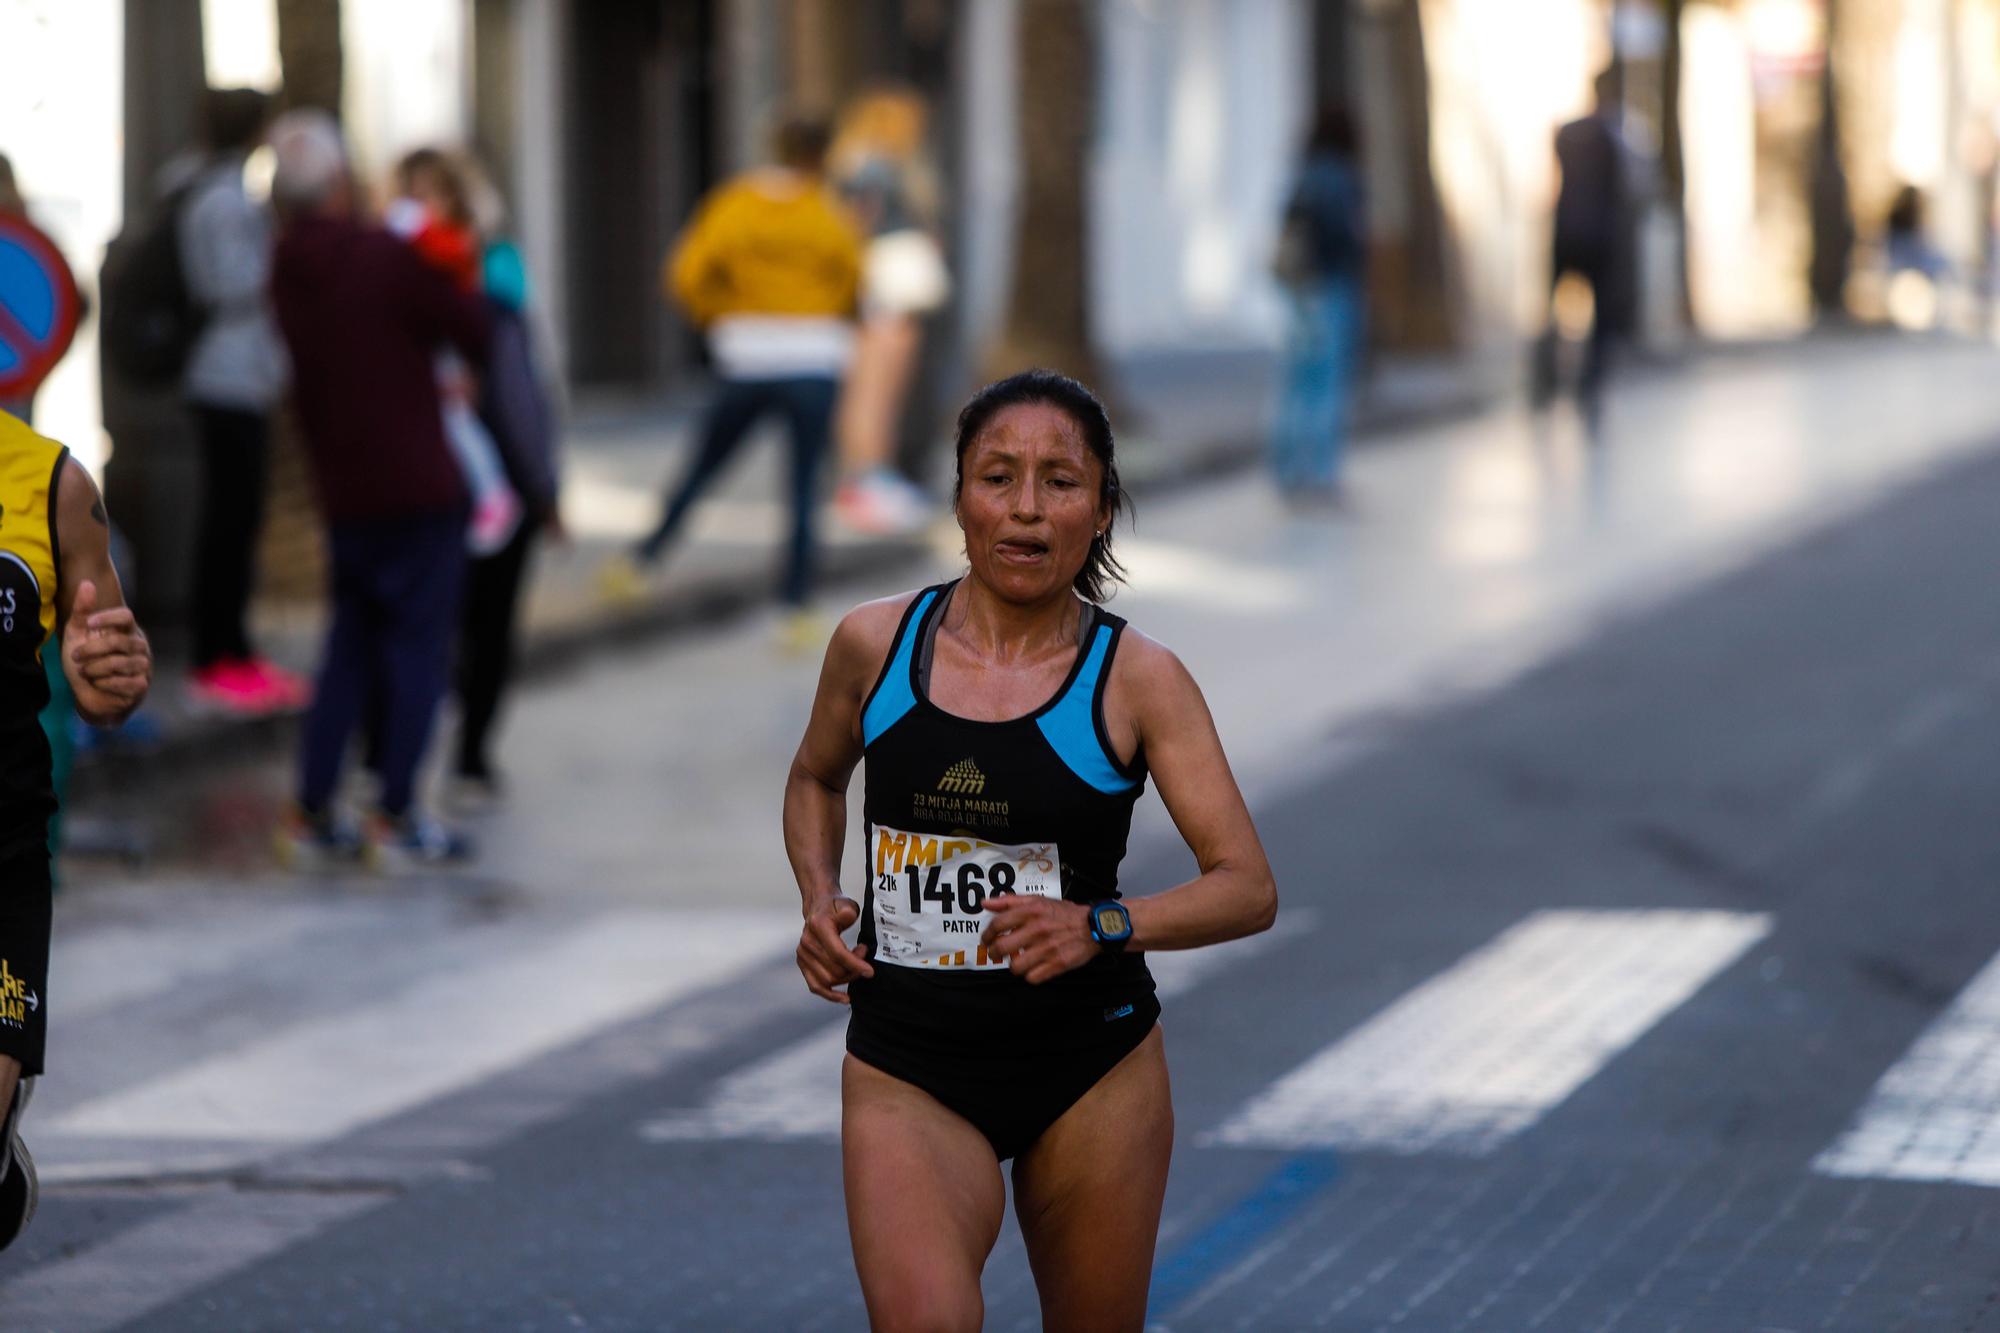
[(414, 842), (884, 504)]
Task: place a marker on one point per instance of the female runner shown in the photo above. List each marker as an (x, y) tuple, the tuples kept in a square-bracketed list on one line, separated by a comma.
[(1001, 1003)]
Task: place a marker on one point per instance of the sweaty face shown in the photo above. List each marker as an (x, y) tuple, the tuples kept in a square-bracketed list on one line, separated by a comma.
[(1030, 502)]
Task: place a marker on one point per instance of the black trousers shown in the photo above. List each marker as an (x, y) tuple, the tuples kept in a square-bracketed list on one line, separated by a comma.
[(486, 646), (1603, 269), (235, 456), (396, 590), (806, 404)]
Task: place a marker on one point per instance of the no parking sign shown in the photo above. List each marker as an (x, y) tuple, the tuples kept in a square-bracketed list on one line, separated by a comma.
[(38, 306)]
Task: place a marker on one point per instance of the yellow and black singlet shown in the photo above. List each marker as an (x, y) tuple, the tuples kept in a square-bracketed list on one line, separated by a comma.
[(29, 559)]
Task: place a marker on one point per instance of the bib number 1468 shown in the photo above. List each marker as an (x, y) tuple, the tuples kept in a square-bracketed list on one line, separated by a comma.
[(929, 891), (966, 889)]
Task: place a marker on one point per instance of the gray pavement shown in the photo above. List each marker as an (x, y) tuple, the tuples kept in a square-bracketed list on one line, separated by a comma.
[(1629, 807)]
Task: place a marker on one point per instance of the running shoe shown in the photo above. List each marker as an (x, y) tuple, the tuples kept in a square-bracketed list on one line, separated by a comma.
[(474, 793), (414, 842), (19, 1188), (882, 503), (290, 690), (233, 687), (307, 842), (621, 580), (801, 632)]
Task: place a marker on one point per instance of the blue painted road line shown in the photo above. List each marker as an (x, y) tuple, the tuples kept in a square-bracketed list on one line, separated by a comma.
[(1205, 1255)]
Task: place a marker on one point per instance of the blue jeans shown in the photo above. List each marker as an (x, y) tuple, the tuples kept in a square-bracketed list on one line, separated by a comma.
[(806, 404), (396, 586), (1322, 354)]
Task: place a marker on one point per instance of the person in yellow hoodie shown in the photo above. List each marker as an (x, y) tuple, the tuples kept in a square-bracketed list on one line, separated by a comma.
[(768, 268)]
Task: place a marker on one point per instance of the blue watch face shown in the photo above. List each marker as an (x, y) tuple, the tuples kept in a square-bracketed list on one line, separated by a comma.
[(1112, 922)]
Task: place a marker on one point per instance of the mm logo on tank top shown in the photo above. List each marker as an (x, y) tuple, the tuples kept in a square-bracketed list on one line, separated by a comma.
[(963, 778)]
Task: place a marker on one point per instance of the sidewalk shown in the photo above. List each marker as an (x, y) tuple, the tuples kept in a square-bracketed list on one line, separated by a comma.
[(1189, 416)]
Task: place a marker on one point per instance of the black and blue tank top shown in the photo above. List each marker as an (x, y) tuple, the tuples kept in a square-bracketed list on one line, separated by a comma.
[(957, 809)]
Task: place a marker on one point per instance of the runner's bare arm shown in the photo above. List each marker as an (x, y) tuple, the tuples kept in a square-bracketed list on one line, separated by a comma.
[(816, 794), (1152, 703), (105, 654), (1235, 893)]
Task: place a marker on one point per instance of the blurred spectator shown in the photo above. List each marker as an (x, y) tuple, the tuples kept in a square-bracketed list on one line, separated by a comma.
[(1917, 269), (433, 211), (515, 406), (1322, 262), (879, 167), (235, 374), (1592, 241), (768, 268), (1906, 238), (364, 316)]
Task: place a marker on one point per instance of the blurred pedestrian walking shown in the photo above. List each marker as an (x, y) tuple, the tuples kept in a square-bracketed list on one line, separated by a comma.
[(235, 375), (433, 211), (364, 317), (1593, 242), (879, 165), (516, 408), (1906, 238), (1916, 270), (1322, 263), (768, 268)]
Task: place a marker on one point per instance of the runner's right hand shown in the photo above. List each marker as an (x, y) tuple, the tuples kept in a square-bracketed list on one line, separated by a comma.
[(824, 958)]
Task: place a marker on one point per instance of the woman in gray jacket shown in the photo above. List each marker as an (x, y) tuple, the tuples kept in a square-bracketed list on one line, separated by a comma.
[(234, 377)]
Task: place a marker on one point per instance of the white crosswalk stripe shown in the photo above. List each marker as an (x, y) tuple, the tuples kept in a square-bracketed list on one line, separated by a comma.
[(794, 1093), (1936, 1114), (1483, 1050), (390, 1052), (113, 965)]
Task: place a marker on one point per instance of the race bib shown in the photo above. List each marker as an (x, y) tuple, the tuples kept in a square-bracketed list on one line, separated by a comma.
[(928, 891)]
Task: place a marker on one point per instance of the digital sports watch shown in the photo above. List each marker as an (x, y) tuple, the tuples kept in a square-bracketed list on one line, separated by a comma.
[(1110, 925)]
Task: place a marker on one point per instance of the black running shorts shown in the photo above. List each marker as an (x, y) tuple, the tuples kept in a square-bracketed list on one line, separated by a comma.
[(26, 907)]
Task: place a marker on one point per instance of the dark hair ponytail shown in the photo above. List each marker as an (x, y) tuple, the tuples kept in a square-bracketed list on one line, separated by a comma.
[(1050, 388)]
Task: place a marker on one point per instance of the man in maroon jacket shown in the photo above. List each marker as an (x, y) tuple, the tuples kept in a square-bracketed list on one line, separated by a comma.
[(364, 318)]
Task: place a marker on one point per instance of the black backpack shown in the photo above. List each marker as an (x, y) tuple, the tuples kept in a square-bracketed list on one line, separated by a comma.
[(150, 319)]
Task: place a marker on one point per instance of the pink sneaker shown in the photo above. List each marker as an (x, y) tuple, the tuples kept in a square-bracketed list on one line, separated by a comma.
[(288, 690), (232, 687)]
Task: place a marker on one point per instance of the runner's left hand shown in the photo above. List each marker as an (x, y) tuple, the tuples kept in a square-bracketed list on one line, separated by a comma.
[(110, 663), (1041, 938)]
